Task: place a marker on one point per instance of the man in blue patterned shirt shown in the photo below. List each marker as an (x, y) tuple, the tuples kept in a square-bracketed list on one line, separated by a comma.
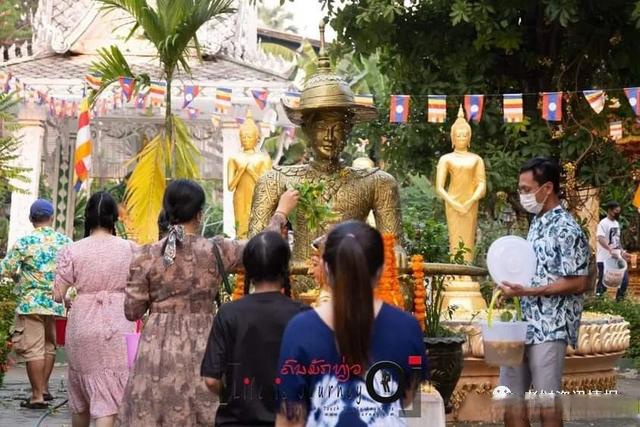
[(552, 303)]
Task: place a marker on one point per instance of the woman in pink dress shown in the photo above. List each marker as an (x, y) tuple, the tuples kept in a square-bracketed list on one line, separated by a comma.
[(97, 266)]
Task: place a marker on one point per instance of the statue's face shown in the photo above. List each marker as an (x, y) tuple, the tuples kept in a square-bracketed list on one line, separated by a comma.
[(328, 131), (248, 140), (461, 138)]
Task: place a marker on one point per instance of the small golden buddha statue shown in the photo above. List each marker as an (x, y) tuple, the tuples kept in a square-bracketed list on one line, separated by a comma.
[(243, 171), (467, 185), (327, 112)]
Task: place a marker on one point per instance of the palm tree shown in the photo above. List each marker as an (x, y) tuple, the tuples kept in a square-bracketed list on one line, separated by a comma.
[(171, 27)]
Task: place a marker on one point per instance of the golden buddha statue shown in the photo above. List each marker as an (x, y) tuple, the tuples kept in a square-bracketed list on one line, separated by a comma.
[(243, 171), (326, 113), (467, 185)]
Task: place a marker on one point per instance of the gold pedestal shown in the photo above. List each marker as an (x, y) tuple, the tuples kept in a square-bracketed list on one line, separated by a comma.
[(465, 294)]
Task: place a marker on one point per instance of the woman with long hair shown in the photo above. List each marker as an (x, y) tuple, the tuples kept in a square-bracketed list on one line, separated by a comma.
[(245, 339), (176, 280), (328, 353), (97, 266)]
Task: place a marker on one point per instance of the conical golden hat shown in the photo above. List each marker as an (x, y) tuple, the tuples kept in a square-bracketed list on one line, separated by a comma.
[(326, 90)]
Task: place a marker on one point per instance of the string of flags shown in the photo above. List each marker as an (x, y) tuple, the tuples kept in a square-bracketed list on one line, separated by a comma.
[(513, 107)]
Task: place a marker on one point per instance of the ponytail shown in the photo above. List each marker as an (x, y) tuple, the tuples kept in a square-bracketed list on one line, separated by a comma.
[(352, 302)]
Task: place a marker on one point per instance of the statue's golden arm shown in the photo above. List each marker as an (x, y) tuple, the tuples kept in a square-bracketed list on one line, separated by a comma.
[(386, 206), (442, 171), (234, 174), (265, 201), (481, 187)]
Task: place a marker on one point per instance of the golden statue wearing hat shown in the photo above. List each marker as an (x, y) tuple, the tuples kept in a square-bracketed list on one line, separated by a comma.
[(326, 113), (467, 185), (243, 171)]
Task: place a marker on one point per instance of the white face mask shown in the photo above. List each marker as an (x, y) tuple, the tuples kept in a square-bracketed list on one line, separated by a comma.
[(530, 203)]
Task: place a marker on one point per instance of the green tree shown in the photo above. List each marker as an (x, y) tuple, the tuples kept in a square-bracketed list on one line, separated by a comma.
[(170, 26), (495, 47), (10, 174), (276, 18), (14, 21)]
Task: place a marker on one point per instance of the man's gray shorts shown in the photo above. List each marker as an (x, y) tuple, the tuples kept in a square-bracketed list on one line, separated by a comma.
[(541, 370)]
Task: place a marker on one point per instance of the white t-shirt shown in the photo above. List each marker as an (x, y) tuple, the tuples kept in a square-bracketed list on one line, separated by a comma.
[(610, 230)]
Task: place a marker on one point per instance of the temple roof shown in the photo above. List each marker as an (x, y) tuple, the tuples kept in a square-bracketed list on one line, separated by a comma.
[(75, 67)]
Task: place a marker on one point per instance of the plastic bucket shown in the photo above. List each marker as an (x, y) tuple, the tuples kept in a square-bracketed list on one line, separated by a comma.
[(614, 270), (504, 343), (61, 330), (132, 339)]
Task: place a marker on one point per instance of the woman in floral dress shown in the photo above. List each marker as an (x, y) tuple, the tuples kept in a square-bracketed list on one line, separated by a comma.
[(97, 266), (176, 280)]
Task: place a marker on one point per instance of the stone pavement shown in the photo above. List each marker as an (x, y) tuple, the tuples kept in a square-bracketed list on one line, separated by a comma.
[(16, 388)]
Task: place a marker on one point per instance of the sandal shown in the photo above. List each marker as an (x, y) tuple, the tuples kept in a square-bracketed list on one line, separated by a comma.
[(34, 405), (47, 397)]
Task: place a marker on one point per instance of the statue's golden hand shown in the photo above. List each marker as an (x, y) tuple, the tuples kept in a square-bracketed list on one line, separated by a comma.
[(458, 207)]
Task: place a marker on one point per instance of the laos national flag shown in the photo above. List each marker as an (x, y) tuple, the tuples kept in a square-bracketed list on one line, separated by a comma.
[(399, 109), (552, 106), (633, 95), (128, 85), (190, 93), (473, 106), (260, 96)]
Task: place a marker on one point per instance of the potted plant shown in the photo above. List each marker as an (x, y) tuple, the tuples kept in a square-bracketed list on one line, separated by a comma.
[(443, 346)]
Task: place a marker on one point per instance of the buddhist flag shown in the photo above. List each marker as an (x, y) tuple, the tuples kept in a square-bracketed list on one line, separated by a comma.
[(633, 95), (595, 98), (84, 145), (512, 107), (223, 99), (292, 99), (128, 85), (399, 109), (363, 99), (157, 92), (260, 96), (473, 107), (552, 106), (615, 130), (193, 113), (437, 108), (94, 80), (190, 93)]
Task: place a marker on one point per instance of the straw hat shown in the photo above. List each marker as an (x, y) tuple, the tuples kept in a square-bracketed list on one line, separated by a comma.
[(326, 90)]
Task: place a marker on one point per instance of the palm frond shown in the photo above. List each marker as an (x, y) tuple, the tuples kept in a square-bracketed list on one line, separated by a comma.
[(145, 189), (112, 65), (142, 14), (186, 153)]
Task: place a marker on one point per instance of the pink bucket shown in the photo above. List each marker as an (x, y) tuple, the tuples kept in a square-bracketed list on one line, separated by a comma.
[(132, 338)]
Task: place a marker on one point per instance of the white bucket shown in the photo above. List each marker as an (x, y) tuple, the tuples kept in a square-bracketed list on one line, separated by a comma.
[(504, 342), (614, 270)]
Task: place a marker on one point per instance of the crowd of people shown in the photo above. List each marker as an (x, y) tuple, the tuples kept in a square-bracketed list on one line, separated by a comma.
[(197, 364), (265, 359)]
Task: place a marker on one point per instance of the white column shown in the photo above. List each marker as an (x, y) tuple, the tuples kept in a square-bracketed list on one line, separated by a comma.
[(230, 146), (30, 134)]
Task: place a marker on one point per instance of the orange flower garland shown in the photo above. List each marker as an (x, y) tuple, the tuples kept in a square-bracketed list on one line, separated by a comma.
[(419, 303), (238, 290), (388, 289)]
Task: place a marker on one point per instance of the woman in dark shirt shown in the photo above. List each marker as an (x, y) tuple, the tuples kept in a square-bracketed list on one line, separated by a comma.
[(242, 352), (328, 353)]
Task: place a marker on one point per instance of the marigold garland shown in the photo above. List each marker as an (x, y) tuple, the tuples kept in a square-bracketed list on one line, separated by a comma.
[(419, 302), (388, 289), (238, 290)]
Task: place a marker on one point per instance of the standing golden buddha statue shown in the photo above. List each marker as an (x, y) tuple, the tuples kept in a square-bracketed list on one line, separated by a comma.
[(327, 113), (243, 171), (467, 185)]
